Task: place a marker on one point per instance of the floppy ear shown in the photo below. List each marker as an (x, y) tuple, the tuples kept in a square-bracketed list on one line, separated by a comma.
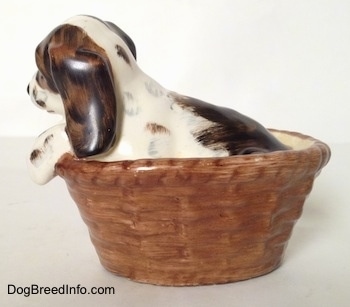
[(85, 83)]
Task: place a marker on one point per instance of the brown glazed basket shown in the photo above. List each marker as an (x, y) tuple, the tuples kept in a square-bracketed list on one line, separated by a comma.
[(195, 221)]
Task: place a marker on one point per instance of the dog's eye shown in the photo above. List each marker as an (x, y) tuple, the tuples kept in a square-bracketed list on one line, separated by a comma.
[(45, 83), (40, 77), (41, 80)]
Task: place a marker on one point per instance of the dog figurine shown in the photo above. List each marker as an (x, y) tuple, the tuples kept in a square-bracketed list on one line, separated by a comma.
[(112, 110)]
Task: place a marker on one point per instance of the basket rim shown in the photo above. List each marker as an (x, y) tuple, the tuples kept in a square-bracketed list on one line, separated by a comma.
[(154, 220), (317, 151)]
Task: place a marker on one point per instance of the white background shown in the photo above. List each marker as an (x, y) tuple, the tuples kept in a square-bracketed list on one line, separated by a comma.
[(285, 63)]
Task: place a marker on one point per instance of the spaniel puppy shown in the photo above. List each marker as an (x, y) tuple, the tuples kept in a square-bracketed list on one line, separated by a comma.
[(112, 110)]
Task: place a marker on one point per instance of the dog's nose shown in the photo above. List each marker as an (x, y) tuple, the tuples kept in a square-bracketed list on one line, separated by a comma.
[(28, 89)]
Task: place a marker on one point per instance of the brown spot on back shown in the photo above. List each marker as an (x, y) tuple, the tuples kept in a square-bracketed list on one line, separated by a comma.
[(155, 128), (229, 129)]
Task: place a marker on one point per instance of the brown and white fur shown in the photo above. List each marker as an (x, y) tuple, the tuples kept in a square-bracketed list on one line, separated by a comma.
[(112, 110)]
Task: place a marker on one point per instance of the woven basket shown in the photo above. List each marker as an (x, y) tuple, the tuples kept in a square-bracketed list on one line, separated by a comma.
[(195, 221)]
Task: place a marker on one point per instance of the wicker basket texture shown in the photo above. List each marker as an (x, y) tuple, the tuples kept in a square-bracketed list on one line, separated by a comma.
[(195, 221)]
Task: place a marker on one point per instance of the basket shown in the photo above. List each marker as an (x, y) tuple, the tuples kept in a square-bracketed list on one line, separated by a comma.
[(195, 221)]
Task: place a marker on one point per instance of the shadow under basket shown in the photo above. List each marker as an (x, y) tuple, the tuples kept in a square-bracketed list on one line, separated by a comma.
[(195, 221)]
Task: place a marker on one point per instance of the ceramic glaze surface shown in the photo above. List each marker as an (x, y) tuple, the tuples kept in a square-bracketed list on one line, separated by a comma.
[(112, 110), (195, 221)]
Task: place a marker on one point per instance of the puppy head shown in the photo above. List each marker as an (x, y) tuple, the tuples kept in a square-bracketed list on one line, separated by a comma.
[(75, 79)]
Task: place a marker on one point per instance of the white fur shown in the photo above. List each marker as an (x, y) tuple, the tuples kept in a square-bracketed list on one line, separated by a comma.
[(143, 100)]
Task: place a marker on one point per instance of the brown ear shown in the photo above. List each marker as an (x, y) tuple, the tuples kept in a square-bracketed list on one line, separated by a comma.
[(85, 83)]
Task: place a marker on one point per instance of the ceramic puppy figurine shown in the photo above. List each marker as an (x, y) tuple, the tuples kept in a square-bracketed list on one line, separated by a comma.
[(112, 110)]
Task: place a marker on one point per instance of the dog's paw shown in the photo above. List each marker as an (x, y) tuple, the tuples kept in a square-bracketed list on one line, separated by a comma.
[(42, 153)]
